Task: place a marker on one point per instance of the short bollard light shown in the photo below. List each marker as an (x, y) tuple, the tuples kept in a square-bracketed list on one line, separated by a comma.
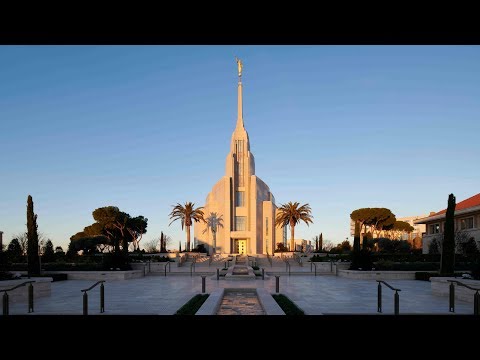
[(263, 273), (30, 298), (277, 284), (102, 298), (218, 274), (85, 303), (203, 283), (476, 304), (379, 298), (451, 306), (397, 302), (5, 303)]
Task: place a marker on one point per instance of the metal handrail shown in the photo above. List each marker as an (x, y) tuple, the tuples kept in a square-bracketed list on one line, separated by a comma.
[(476, 297), (15, 287), (462, 284), (391, 287), (288, 266), (396, 297), (91, 287), (269, 260), (169, 267), (297, 258), (192, 265), (6, 305), (102, 297)]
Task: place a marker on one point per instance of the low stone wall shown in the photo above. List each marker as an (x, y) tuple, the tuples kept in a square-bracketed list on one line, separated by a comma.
[(100, 275), (268, 303), (212, 304), (41, 288), (377, 275), (322, 267), (140, 266), (440, 286)]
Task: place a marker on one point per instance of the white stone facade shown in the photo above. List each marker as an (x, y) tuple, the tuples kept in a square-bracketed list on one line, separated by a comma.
[(240, 208)]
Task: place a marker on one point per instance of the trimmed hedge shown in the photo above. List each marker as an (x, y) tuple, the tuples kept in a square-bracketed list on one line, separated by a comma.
[(288, 307), (192, 305)]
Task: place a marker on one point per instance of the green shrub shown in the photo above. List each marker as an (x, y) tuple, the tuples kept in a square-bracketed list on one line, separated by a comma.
[(191, 306), (476, 270), (384, 265), (288, 307), (362, 260), (161, 259), (416, 266), (255, 268)]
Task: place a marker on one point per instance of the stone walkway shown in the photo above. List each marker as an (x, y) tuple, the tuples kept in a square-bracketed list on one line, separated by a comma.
[(160, 295), (240, 303)]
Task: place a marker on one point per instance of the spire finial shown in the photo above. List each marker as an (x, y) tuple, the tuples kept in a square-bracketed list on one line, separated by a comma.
[(240, 66), (240, 103)]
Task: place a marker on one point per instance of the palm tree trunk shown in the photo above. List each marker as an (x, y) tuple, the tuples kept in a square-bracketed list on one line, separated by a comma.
[(292, 237), (214, 242), (188, 237)]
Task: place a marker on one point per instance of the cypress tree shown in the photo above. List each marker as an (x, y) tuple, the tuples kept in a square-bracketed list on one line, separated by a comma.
[(48, 253), (320, 242), (356, 238), (448, 246), (162, 245), (32, 235)]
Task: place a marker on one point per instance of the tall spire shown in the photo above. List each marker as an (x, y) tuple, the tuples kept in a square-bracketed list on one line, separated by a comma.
[(240, 103)]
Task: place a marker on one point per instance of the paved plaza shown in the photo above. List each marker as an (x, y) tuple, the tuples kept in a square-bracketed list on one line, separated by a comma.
[(159, 295)]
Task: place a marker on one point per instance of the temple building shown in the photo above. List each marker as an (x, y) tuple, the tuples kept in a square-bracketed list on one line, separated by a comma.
[(240, 209)]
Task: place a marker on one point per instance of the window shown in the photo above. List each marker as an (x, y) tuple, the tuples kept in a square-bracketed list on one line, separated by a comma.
[(266, 226), (239, 170), (240, 198), (240, 223), (466, 223), (434, 229)]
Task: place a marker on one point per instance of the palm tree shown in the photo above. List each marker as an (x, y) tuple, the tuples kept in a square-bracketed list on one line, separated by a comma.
[(213, 223), (291, 214), (186, 214)]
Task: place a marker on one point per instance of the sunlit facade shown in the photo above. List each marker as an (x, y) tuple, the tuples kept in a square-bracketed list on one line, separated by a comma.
[(240, 205)]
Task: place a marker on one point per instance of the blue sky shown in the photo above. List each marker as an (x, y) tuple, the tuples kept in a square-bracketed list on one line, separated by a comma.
[(145, 127)]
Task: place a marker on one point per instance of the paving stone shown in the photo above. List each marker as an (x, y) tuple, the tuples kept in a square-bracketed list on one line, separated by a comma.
[(156, 294)]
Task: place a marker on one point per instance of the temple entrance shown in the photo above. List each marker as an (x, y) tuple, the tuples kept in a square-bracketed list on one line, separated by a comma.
[(241, 246)]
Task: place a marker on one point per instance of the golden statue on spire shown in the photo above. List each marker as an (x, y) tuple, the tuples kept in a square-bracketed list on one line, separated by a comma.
[(240, 66)]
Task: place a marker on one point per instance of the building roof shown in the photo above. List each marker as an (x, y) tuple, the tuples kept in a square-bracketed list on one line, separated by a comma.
[(462, 207)]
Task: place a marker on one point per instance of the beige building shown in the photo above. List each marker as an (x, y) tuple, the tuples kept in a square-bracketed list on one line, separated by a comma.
[(467, 222), (240, 209)]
